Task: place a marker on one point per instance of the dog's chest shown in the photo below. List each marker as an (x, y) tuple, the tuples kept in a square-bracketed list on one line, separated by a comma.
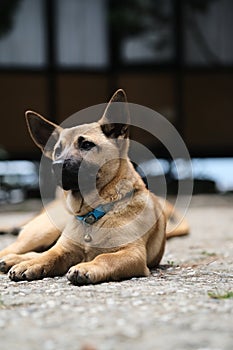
[(87, 236), (91, 243)]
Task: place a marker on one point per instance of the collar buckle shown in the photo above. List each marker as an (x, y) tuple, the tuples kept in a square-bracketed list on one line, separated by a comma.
[(93, 216), (89, 219)]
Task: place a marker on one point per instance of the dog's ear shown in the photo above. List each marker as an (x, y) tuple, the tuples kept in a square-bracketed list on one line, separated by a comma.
[(43, 132), (115, 120)]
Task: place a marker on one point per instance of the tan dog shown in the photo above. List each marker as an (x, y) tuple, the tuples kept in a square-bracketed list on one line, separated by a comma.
[(113, 228)]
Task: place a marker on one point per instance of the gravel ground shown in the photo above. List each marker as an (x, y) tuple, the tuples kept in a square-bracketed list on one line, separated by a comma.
[(178, 307)]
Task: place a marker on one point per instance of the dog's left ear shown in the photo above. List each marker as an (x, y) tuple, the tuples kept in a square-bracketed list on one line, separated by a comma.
[(116, 119)]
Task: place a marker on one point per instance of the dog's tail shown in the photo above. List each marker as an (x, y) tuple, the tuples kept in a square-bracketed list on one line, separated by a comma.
[(176, 224)]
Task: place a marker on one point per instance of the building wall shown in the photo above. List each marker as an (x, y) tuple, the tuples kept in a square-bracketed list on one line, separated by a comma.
[(59, 56)]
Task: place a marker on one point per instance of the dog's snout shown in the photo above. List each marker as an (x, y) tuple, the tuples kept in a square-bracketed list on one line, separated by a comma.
[(61, 165), (58, 164), (66, 173)]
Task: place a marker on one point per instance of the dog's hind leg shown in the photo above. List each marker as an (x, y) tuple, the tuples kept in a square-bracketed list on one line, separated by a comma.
[(41, 232), (37, 235), (177, 225)]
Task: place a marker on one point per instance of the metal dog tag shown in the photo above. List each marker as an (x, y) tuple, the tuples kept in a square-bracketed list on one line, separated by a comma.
[(87, 238)]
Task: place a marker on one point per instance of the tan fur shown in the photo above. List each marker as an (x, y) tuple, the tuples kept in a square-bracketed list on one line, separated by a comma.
[(127, 241)]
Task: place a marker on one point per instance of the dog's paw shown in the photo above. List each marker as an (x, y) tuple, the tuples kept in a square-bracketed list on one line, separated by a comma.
[(26, 271), (82, 274), (8, 261), (3, 266)]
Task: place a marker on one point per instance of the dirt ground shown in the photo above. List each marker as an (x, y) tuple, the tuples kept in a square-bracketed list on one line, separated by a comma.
[(187, 303)]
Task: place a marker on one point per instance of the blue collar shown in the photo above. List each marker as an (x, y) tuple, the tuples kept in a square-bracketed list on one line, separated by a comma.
[(97, 213), (94, 215)]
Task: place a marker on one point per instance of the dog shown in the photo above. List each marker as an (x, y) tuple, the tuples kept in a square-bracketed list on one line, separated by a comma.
[(109, 226)]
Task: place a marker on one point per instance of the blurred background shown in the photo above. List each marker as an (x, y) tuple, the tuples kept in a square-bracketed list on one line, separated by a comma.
[(174, 56)]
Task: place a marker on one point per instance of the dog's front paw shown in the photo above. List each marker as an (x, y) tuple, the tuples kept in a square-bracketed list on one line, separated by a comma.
[(8, 261), (82, 274), (26, 271)]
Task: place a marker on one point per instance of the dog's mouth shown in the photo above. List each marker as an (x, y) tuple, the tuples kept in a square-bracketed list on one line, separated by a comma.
[(69, 177), (68, 182)]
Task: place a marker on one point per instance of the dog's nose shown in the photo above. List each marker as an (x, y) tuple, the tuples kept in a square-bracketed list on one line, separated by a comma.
[(61, 166), (66, 173)]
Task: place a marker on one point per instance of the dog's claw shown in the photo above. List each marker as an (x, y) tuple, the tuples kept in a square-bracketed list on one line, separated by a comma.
[(77, 278), (3, 266), (17, 277), (12, 275)]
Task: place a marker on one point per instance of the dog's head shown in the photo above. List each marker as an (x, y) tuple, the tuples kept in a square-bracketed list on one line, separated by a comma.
[(87, 155)]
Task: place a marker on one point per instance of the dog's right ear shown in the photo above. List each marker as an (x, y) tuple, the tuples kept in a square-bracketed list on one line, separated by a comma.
[(43, 132)]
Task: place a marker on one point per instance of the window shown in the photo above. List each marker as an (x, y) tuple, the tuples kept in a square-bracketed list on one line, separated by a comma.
[(148, 36), (207, 29), (23, 44), (82, 33)]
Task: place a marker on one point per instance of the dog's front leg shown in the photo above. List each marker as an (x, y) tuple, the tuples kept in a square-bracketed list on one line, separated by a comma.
[(54, 262), (126, 263)]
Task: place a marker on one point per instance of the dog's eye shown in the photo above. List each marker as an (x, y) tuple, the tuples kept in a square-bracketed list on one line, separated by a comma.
[(85, 145), (58, 151)]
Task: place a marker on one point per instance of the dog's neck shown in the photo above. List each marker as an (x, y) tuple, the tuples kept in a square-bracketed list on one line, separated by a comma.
[(126, 180)]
